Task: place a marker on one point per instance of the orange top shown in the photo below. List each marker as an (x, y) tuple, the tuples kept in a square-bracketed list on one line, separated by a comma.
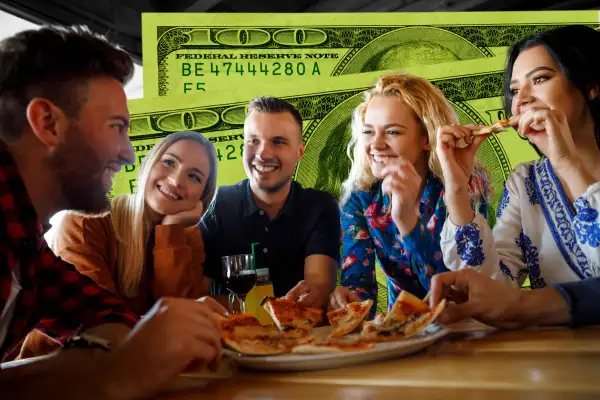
[(90, 244)]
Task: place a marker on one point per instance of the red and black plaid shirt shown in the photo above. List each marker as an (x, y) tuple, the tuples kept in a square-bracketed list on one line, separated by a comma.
[(52, 289)]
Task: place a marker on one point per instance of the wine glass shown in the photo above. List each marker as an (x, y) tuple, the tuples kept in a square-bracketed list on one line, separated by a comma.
[(240, 276)]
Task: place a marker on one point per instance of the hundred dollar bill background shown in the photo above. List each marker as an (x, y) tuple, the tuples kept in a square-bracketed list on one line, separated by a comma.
[(472, 87), (211, 65), (200, 53)]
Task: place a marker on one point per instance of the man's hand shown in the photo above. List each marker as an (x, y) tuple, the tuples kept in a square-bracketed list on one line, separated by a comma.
[(306, 294), (173, 334), (474, 295)]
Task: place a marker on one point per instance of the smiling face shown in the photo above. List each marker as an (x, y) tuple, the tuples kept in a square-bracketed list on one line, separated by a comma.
[(177, 179), (95, 147), (538, 82), (391, 130), (273, 146)]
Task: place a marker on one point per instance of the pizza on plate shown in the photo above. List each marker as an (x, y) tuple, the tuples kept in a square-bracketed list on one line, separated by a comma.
[(346, 319), (293, 330), (288, 314)]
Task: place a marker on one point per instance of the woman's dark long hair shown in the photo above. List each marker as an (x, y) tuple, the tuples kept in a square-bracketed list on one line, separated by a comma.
[(576, 49)]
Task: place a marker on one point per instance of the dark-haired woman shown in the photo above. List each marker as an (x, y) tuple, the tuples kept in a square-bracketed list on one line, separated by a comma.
[(548, 225)]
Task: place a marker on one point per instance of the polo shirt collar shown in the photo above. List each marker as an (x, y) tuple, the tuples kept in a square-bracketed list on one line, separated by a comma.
[(250, 207)]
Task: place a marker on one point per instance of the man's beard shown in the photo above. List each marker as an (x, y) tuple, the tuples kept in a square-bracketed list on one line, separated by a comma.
[(277, 186), (79, 172)]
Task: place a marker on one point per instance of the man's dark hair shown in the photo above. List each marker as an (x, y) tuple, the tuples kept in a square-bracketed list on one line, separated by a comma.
[(54, 63), (271, 105)]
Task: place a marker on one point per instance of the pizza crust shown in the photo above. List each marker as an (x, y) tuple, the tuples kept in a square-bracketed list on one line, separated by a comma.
[(424, 321), (253, 347)]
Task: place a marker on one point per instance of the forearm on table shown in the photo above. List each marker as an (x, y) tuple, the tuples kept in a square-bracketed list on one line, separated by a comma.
[(544, 306), (115, 333), (68, 374)]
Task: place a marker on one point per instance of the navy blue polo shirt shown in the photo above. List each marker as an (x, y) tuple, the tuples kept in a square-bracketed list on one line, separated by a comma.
[(308, 223)]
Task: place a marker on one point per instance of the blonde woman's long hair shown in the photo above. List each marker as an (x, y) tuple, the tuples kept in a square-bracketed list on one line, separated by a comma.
[(130, 218), (432, 111)]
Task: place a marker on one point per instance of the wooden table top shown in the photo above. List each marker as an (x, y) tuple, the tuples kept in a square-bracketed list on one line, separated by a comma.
[(543, 363)]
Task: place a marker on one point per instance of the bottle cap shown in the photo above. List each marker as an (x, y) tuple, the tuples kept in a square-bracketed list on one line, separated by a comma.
[(262, 273)]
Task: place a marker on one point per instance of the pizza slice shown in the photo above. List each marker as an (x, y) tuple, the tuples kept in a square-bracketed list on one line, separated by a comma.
[(244, 334), (406, 305), (288, 314), (243, 319), (346, 319), (260, 344), (499, 126), (408, 316), (424, 320)]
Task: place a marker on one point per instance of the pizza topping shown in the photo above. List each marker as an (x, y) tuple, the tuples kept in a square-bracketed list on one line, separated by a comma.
[(408, 316), (242, 333), (347, 319)]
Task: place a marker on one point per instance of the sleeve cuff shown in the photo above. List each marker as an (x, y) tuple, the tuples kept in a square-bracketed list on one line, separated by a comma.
[(169, 236), (567, 298), (413, 239), (582, 298)]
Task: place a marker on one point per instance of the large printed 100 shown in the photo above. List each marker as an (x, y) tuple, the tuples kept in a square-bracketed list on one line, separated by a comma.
[(198, 53)]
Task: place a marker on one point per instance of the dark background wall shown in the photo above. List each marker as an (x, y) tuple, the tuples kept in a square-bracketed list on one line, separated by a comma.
[(120, 19)]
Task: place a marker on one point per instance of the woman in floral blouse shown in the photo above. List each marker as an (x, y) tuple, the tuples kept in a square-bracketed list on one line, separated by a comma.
[(548, 226), (393, 202)]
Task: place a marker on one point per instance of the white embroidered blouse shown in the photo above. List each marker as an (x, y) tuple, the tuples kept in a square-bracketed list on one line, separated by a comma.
[(538, 232)]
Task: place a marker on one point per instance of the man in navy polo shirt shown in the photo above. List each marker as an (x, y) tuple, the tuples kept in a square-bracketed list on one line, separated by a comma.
[(297, 229)]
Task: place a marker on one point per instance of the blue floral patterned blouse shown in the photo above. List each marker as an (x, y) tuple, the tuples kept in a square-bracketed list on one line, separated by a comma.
[(409, 261)]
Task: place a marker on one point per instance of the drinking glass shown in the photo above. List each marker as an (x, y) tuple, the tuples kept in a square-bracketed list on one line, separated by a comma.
[(240, 276)]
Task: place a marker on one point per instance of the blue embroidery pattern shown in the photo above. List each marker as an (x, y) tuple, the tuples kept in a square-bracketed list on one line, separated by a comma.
[(506, 271), (586, 225), (503, 203), (469, 243), (531, 256), (559, 218), (530, 187)]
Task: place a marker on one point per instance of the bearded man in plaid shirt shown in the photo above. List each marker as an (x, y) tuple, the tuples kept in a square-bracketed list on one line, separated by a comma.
[(63, 136)]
